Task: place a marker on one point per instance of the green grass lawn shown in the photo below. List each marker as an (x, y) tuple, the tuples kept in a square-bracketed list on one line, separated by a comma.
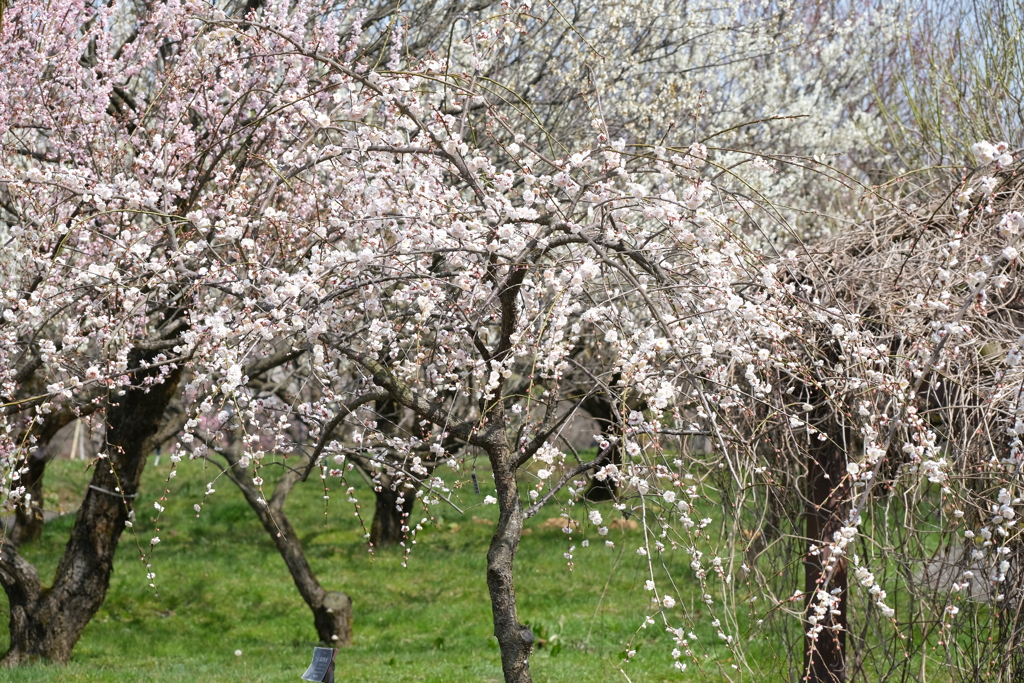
[(221, 587)]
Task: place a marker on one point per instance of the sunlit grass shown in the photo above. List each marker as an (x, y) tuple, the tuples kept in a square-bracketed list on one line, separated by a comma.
[(222, 587)]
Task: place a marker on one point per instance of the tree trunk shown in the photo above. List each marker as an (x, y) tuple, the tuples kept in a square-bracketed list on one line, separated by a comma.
[(332, 611), (827, 508), (46, 624), (600, 408), (390, 524), (514, 639)]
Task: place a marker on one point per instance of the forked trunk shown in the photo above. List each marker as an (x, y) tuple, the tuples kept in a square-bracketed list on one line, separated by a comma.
[(46, 624), (394, 495)]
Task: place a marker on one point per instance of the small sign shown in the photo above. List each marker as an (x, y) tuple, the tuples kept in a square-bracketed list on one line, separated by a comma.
[(322, 667)]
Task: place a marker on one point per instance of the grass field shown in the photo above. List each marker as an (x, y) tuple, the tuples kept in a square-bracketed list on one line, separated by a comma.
[(222, 588)]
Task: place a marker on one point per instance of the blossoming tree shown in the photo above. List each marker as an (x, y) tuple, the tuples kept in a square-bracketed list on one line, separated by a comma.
[(234, 235)]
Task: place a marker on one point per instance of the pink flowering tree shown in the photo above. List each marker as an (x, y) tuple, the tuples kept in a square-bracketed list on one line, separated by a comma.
[(112, 163)]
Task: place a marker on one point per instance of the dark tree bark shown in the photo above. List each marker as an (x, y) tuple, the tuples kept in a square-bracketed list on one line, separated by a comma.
[(395, 493), (827, 508), (390, 518), (332, 611), (514, 639), (46, 623), (600, 408), (390, 524)]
